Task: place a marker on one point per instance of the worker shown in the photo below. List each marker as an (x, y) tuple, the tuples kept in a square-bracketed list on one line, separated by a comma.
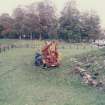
[(38, 59)]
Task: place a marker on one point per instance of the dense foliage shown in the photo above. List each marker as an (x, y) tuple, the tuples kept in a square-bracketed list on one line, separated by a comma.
[(40, 20)]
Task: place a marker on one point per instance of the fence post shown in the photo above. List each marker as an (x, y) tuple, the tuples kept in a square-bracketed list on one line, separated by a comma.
[(4, 48), (0, 48)]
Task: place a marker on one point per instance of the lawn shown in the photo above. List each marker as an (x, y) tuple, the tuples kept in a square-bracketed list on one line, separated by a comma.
[(21, 83)]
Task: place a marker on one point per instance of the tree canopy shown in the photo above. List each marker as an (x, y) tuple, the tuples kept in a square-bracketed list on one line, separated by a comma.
[(39, 20)]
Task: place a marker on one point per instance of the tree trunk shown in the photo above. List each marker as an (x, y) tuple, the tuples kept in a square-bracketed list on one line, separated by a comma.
[(20, 37), (40, 36), (31, 36)]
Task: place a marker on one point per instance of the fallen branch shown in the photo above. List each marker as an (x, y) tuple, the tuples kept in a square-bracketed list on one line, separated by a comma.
[(87, 78)]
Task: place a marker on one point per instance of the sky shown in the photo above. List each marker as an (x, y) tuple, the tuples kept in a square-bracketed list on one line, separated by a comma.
[(7, 6)]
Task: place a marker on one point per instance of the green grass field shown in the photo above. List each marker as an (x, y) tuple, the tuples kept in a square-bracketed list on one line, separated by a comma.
[(21, 83)]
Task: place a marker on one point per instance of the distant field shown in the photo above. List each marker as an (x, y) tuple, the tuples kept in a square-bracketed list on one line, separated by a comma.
[(21, 83), (7, 41)]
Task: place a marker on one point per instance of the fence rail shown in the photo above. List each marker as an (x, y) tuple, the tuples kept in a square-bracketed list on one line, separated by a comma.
[(5, 47)]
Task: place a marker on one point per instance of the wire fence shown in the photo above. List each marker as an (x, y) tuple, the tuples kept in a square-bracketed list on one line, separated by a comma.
[(5, 47)]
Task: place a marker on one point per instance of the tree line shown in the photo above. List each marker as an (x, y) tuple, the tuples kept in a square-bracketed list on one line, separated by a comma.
[(40, 21)]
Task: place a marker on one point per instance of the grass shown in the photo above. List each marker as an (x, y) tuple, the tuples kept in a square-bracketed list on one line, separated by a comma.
[(21, 83), (7, 41)]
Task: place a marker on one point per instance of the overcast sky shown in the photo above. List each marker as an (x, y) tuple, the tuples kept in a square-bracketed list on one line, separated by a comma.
[(7, 6)]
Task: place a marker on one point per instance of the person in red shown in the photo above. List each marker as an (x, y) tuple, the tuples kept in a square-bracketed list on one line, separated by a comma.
[(50, 54)]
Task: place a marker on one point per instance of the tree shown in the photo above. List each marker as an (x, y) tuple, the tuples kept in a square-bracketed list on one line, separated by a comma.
[(39, 20), (18, 16), (6, 24), (90, 25), (30, 25), (47, 18), (1, 29), (70, 22)]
